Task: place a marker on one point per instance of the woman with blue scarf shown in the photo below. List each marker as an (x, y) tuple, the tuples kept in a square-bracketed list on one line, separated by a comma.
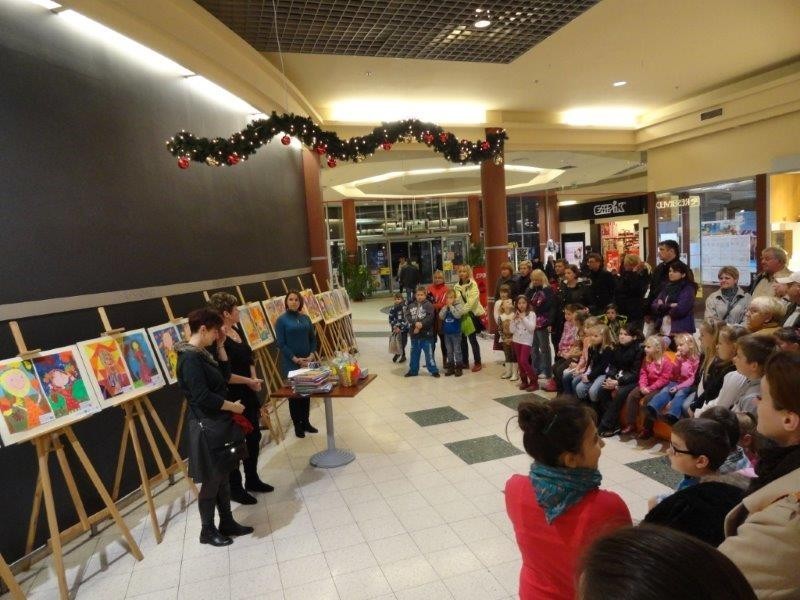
[(559, 509)]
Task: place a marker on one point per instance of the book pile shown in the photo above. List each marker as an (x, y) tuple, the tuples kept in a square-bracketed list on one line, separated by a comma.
[(305, 382)]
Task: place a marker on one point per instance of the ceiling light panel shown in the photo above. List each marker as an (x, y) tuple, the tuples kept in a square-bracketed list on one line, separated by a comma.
[(408, 29)]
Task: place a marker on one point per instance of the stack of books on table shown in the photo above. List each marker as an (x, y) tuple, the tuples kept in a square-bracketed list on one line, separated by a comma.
[(318, 380)]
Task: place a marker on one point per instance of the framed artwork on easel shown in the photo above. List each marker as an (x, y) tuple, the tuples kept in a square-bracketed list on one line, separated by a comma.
[(164, 338)]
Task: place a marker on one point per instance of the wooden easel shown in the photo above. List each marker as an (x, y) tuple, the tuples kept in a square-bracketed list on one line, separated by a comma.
[(8, 578), (51, 442), (182, 413), (139, 407)]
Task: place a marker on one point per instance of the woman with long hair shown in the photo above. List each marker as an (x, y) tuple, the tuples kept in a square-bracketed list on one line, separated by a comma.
[(467, 290)]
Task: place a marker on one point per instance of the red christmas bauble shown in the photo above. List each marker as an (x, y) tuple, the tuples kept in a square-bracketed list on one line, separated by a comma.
[(184, 162), (332, 162), (485, 145), (320, 149), (286, 140), (443, 137), (428, 138), (233, 159), (386, 146)]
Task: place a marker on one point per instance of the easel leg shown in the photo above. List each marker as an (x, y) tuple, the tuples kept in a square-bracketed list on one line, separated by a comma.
[(52, 521), (70, 481), (35, 511), (11, 583), (148, 494), (101, 489), (123, 450), (173, 449), (150, 439), (181, 419)]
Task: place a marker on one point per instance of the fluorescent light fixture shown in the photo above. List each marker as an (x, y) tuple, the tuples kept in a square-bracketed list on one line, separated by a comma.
[(211, 90), (567, 202), (482, 23), (370, 111), (48, 4), (600, 117), (124, 44), (619, 83)]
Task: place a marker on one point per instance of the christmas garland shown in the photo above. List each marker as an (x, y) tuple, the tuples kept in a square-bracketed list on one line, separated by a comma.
[(241, 145)]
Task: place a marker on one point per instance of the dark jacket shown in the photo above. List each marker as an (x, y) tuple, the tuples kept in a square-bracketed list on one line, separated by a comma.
[(422, 312), (682, 315), (544, 303), (631, 287), (699, 510), (409, 276), (512, 282), (397, 317), (203, 381), (522, 285), (658, 279), (625, 363), (598, 361), (577, 295), (712, 381), (601, 290)]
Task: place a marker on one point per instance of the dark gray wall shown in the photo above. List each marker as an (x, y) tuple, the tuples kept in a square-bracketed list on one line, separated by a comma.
[(91, 202)]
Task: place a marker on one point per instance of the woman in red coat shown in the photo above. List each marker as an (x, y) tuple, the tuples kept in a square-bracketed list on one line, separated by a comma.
[(558, 510)]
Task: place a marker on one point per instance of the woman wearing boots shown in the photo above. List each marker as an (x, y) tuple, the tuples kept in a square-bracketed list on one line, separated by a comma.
[(242, 385), (297, 342), (202, 380)]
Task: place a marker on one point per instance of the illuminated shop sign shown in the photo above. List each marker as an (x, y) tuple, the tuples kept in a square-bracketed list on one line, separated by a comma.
[(633, 205), (678, 202), (609, 208)]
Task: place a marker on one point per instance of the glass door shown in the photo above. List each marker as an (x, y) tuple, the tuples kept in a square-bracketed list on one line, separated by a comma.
[(420, 252), (453, 254), (376, 257)]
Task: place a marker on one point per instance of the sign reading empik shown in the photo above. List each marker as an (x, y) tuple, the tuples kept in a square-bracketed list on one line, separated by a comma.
[(609, 208)]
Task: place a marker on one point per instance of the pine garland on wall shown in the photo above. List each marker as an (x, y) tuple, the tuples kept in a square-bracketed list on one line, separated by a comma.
[(243, 144)]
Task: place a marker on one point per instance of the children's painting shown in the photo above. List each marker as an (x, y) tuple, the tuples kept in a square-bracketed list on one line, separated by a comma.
[(107, 370), (262, 332), (141, 360), (336, 300), (183, 329), (344, 298), (311, 306), (274, 308), (42, 393), (326, 305), (164, 338)]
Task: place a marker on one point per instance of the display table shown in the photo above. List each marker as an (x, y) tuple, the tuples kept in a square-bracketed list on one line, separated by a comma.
[(332, 456)]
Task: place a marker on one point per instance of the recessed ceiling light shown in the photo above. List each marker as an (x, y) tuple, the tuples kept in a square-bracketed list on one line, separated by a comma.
[(619, 83), (482, 24)]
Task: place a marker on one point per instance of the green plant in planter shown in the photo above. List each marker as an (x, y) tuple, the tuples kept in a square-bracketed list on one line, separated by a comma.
[(356, 278), (476, 257)]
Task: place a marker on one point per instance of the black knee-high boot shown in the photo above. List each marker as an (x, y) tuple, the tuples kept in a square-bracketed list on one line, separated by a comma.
[(252, 480), (227, 524), (209, 534)]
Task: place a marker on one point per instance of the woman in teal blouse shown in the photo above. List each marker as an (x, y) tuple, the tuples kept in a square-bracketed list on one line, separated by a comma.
[(297, 342)]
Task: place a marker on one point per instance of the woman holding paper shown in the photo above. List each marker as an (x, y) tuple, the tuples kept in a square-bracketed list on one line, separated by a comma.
[(242, 385), (297, 342)]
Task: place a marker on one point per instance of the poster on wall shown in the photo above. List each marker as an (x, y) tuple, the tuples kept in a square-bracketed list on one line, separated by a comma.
[(164, 338), (108, 373), (573, 252), (41, 393), (728, 242)]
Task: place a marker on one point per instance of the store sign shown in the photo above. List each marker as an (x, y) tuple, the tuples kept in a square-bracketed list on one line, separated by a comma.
[(678, 203), (634, 205)]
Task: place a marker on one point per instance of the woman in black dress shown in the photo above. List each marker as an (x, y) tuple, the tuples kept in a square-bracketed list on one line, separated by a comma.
[(202, 379), (242, 385)]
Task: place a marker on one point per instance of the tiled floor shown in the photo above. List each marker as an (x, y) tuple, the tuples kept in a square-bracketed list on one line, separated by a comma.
[(408, 519)]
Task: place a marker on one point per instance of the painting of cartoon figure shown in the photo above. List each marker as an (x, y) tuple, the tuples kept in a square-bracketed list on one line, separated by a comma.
[(140, 360), (63, 380), (107, 370), (22, 402), (164, 338), (311, 306), (274, 308), (262, 329)]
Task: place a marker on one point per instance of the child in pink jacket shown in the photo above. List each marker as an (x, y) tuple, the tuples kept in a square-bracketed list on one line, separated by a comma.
[(682, 382), (655, 374)]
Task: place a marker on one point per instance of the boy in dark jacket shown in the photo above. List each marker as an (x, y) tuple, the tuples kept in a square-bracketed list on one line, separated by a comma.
[(622, 378), (397, 321), (420, 316)]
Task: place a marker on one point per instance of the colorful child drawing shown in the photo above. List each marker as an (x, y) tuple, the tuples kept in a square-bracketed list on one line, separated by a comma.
[(164, 339), (140, 360), (311, 306), (105, 361), (260, 322), (22, 403), (272, 309), (250, 332), (62, 381)]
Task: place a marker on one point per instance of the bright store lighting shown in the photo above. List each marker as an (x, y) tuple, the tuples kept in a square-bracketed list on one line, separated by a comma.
[(482, 24), (219, 94), (48, 4), (619, 83), (124, 44), (371, 111), (567, 202), (600, 117)]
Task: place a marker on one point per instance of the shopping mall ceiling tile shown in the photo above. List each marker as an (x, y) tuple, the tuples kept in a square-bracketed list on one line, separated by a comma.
[(399, 28)]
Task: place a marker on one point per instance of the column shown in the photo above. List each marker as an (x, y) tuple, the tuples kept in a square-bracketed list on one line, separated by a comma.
[(495, 220), (349, 224), (474, 213), (315, 213), (652, 229)]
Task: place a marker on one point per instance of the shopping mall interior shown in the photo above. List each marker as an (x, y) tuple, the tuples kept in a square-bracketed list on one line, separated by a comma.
[(156, 152)]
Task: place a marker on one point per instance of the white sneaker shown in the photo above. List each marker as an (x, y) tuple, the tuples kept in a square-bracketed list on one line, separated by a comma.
[(514, 372), (507, 372)]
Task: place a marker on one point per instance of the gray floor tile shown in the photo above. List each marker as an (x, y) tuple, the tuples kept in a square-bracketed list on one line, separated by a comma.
[(435, 416), (482, 449)]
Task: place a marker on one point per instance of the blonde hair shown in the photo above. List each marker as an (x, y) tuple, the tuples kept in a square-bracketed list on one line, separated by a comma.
[(769, 305), (540, 276), (655, 341), (688, 338), (507, 303), (467, 268), (712, 327), (450, 292), (607, 341)]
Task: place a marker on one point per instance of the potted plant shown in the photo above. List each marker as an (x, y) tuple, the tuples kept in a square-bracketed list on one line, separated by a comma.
[(356, 278)]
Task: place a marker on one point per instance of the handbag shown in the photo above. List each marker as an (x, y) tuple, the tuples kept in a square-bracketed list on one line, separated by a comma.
[(467, 324), (395, 347), (224, 440)]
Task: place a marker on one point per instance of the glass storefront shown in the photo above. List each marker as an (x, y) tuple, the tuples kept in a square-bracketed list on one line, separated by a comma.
[(523, 224), (714, 225), (784, 211)]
